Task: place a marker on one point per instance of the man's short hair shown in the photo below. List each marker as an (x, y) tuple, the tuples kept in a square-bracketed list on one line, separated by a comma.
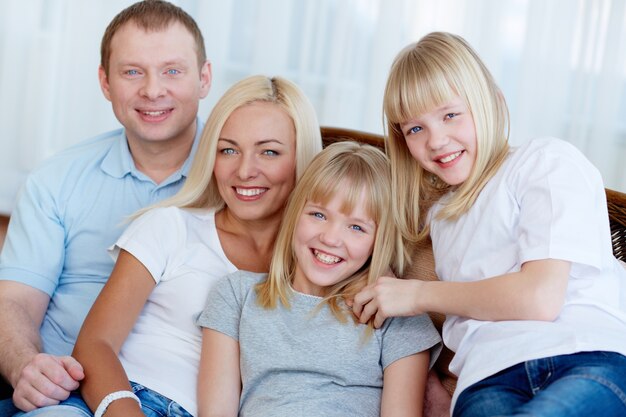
[(151, 15)]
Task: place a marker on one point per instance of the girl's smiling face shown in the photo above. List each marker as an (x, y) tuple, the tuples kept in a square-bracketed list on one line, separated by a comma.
[(443, 141), (331, 245)]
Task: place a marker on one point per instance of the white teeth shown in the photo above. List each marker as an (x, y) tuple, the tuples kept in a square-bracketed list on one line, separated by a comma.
[(325, 258), (154, 113), (249, 192), (451, 157)]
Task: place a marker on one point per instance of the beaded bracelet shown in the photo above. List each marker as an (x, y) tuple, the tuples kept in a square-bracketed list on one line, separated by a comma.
[(117, 395)]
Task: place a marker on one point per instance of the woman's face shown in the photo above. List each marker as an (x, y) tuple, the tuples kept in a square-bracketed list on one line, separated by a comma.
[(443, 141), (255, 165)]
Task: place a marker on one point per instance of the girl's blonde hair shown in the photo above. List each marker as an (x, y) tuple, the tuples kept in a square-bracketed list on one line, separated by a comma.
[(347, 169), (425, 75), (200, 189)]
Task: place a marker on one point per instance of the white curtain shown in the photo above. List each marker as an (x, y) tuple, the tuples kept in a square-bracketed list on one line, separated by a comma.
[(560, 63)]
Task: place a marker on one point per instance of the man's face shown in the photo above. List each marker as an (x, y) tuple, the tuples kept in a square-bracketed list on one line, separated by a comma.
[(155, 83)]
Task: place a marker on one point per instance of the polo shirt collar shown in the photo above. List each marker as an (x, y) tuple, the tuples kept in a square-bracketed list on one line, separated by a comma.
[(118, 162)]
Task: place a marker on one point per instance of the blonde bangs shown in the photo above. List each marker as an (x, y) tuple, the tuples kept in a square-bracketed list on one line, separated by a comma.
[(415, 87), (355, 180)]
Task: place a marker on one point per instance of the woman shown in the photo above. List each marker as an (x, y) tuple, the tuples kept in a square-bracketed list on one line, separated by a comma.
[(258, 139)]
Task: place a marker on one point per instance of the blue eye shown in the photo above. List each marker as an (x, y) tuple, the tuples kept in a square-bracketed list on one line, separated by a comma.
[(413, 130), (132, 72), (357, 228), (227, 151), (270, 152), (173, 72), (451, 115), (317, 215)]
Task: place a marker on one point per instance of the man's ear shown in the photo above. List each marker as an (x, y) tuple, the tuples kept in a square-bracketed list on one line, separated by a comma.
[(206, 76), (104, 82)]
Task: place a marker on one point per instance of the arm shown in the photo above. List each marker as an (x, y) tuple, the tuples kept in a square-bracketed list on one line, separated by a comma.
[(536, 292), (219, 379), (38, 379), (404, 383), (105, 329)]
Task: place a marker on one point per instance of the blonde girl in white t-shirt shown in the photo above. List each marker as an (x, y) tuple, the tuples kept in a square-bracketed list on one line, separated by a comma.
[(535, 301)]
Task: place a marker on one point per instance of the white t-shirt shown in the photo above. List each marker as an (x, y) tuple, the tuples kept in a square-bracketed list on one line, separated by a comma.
[(182, 251), (547, 201)]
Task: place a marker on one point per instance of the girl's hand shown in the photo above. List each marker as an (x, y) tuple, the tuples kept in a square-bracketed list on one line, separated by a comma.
[(387, 297)]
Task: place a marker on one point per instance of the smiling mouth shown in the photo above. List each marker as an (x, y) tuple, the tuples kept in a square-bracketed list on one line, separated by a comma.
[(154, 113), (250, 192), (326, 258), (450, 157)]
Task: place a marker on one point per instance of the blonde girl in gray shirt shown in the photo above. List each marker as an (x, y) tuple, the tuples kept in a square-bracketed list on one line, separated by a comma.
[(284, 343)]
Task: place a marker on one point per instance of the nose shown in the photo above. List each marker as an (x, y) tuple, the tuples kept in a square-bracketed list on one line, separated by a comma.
[(437, 138), (248, 168), (331, 234), (153, 87)]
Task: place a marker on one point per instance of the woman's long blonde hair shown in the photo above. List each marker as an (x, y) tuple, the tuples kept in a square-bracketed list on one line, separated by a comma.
[(346, 169), (200, 189), (423, 76)]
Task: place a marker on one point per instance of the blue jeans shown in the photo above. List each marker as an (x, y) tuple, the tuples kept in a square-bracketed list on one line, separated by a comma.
[(580, 384), (7, 408), (74, 406), (153, 404)]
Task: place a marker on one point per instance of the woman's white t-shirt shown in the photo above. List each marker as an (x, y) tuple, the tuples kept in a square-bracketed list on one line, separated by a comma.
[(182, 251)]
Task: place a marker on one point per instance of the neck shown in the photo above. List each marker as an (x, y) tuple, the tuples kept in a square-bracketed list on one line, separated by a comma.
[(160, 159), (260, 233)]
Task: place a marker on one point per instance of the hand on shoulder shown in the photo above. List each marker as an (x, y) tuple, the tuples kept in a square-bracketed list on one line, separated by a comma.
[(387, 297)]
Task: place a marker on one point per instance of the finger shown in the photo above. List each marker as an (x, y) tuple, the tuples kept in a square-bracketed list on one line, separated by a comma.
[(43, 391), (368, 311), (379, 319), (58, 375), (22, 403), (27, 398), (73, 368), (47, 375), (362, 298)]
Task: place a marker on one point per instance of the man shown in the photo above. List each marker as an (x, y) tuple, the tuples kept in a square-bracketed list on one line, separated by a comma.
[(54, 262)]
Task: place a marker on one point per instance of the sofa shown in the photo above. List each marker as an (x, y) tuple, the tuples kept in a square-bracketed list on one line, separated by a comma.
[(423, 265)]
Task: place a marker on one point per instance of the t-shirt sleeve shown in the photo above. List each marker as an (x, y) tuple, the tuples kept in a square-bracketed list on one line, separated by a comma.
[(223, 308), (405, 336), (153, 238), (34, 249), (562, 206)]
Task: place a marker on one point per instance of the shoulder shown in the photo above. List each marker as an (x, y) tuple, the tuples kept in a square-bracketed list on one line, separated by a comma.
[(77, 159), (548, 148), (159, 214), (404, 336), (542, 157), (237, 286), (100, 144), (169, 219), (243, 281), (420, 323)]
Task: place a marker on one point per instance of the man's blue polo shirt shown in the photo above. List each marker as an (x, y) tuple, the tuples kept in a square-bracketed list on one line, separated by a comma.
[(70, 210)]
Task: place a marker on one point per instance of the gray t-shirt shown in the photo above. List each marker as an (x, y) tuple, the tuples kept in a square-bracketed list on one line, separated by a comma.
[(298, 362)]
